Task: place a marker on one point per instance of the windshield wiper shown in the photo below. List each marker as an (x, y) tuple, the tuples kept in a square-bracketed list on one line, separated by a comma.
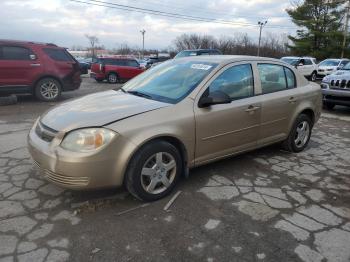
[(122, 89), (137, 93)]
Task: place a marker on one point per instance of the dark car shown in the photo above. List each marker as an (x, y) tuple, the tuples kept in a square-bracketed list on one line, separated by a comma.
[(84, 66), (197, 52), (115, 69), (44, 70)]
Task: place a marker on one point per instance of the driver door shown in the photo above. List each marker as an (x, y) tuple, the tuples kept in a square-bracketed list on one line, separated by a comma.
[(226, 129)]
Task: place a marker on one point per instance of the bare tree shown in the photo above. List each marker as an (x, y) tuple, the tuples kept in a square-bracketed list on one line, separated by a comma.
[(93, 42)]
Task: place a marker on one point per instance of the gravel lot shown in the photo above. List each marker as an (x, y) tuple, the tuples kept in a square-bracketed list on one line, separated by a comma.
[(267, 205)]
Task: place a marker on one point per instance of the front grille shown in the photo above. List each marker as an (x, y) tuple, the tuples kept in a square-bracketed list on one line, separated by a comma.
[(61, 179), (44, 132), (340, 84)]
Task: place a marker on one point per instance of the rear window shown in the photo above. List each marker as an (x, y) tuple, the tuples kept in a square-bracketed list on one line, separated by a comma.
[(58, 54), (14, 53)]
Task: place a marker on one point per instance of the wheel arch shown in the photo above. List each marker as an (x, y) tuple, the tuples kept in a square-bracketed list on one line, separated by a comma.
[(307, 110), (47, 76), (177, 143)]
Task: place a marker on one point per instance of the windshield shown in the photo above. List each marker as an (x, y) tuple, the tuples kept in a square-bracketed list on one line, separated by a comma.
[(186, 53), (171, 81), (291, 61), (330, 63)]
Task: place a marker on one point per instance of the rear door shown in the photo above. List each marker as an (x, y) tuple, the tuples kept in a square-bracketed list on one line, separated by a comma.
[(225, 129), (18, 66), (64, 65), (280, 98)]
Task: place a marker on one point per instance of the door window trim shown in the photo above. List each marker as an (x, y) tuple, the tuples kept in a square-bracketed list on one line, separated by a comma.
[(221, 71), (285, 78), (31, 52)]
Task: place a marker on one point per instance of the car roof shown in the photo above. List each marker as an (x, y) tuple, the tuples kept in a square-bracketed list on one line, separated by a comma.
[(298, 57), (22, 42), (226, 59), (196, 50)]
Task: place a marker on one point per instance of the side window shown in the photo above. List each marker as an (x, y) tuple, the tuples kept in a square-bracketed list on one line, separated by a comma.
[(272, 78), (132, 63), (291, 83), (58, 54), (237, 82), (15, 53), (344, 62), (308, 62)]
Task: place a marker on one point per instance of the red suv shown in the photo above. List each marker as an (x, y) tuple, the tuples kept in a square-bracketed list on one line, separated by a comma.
[(115, 69), (44, 70)]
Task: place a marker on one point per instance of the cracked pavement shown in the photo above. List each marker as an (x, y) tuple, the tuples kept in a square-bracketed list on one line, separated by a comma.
[(266, 205)]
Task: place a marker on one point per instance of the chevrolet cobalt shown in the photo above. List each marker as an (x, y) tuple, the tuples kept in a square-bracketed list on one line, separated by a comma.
[(181, 114)]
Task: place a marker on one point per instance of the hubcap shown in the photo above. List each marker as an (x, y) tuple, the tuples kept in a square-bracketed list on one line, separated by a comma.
[(112, 78), (49, 90), (158, 173), (302, 134)]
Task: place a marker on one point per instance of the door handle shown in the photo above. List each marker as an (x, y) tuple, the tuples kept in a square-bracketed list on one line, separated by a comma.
[(35, 65), (252, 108), (292, 99)]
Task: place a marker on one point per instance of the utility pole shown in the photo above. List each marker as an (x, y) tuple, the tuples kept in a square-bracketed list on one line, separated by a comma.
[(261, 25), (143, 31), (346, 26)]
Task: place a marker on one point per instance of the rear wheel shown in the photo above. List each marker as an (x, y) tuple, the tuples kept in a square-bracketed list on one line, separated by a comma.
[(300, 134), (328, 105), (153, 171), (112, 78), (48, 89)]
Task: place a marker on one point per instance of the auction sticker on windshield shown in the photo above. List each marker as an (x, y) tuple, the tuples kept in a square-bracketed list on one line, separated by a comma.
[(201, 66)]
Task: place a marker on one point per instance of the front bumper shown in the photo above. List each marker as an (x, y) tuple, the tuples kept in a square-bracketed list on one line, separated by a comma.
[(338, 96), (76, 170)]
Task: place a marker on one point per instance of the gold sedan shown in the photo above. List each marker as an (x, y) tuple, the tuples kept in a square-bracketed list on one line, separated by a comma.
[(178, 115)]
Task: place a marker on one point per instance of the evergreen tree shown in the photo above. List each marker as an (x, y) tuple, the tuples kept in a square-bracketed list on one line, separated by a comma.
[(321, 33)]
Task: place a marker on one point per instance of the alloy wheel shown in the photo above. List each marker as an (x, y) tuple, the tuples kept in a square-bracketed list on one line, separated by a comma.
[(49, 90), (158, 173), (302, 134)]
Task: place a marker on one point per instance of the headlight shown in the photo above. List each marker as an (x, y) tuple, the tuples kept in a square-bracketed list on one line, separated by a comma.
[(88, 139)]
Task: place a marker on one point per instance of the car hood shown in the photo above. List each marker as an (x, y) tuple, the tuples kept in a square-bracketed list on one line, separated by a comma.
[(327, 67), (97, 110), (339, 75)]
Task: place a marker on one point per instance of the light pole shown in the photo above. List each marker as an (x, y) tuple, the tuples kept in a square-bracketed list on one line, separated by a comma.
[(143, 31), (261, 25)]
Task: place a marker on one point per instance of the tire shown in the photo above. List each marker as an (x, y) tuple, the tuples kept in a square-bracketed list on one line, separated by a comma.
[(313, 76), (328, 105), (112, 78), (144, 173), (298, 140), (8, 100), (48, 90)]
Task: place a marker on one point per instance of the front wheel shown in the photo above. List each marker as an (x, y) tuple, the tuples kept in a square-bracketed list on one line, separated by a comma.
[(328, 105), (48, 89), (153, 171), (300, 134), (313, 76)]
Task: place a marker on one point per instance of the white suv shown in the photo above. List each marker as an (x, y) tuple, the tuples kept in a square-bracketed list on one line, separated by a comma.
[(306, 65), (329, 66)]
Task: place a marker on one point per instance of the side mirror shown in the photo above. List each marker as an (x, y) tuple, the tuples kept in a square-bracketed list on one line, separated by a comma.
[(300, 64), (214, 98)]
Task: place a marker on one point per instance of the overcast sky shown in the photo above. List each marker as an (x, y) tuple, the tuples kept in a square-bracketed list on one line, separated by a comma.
[(65, 23)]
